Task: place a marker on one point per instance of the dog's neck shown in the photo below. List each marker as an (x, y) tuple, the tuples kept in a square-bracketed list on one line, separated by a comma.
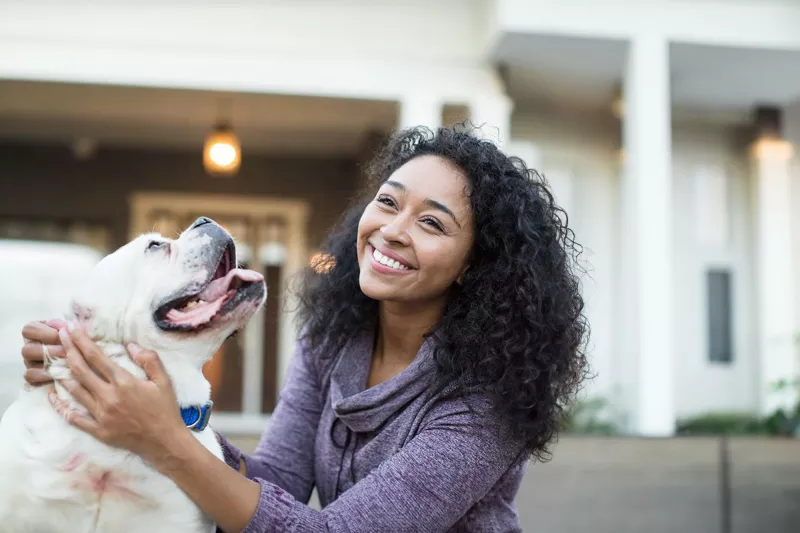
[(188, 381), (190, 385)]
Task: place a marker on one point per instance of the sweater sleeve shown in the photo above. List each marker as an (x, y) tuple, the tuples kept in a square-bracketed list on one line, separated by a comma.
[(425, 487), (284, 456)]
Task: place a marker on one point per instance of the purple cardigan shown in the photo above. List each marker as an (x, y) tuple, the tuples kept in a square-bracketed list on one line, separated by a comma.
[(396, 457)]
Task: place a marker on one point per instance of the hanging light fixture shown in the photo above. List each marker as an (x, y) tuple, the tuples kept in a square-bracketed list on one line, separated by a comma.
[(222, 153), (770, 143)]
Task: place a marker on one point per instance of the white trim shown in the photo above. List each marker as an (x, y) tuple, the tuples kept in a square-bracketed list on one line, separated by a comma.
[(421, 108), (194, 69), (253, 367), (231, 424), (295, 213), (740, 24), (317, 48)]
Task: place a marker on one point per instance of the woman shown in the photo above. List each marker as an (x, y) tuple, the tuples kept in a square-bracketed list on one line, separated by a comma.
[(437, 354)]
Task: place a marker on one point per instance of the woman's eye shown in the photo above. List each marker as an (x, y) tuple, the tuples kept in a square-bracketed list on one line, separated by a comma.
[(386, 200), (433, 223)]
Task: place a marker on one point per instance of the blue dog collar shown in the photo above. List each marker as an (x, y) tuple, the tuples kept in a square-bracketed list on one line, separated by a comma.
[(196, 416)]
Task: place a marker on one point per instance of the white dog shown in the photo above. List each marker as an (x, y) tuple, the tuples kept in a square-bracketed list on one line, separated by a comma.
[(181, 298)]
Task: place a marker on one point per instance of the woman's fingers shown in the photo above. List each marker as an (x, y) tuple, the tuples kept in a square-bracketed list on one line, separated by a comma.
[(152, 365), (39, 332), (80, 393), (57, 324), (33, 353), (79, 368), (41, 341), (95, 356), (37, 376), (73, 416)]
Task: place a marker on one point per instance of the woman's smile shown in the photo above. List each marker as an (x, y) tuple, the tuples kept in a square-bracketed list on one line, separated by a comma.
[(386, 262)]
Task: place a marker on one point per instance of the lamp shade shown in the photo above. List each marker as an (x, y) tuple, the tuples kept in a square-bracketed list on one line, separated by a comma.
[(222, 153)]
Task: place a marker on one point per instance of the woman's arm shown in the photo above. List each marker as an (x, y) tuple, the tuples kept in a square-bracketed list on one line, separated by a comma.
[(231, 454), (285, 454), (427, 486), (227, 496)]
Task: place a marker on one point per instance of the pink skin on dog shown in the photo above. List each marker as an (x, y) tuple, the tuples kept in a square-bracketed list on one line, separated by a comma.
[(73, 462), (103, 483)]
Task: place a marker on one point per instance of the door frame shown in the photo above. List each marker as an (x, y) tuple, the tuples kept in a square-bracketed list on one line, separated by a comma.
[(295, 214)]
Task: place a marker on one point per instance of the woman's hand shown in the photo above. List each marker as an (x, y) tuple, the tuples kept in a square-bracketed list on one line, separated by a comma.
[(141, 416), (40, 337)]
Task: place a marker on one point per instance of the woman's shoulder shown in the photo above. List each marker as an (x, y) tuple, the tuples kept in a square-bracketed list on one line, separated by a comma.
[(467, 409), (320, 356), (453, 416)]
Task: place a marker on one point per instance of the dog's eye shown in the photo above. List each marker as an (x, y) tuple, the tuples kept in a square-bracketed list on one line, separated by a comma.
[(154, 245)]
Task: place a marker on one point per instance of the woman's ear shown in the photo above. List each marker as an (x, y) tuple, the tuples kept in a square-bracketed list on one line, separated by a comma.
[(460, 277)]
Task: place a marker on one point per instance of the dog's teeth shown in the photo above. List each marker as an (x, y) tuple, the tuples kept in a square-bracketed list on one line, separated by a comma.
[(193, 304)]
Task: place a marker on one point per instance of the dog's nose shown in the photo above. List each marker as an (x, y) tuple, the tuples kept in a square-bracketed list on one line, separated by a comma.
[(200, 222)]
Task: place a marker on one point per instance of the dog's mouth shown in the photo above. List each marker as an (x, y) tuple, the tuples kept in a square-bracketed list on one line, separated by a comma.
[(223, 292)]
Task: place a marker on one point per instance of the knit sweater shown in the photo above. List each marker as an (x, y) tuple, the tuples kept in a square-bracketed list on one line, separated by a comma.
[(396, 457)]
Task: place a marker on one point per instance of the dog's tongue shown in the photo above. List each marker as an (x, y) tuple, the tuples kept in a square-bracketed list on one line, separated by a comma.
[(214, 296), (196, 316), (219, 287)]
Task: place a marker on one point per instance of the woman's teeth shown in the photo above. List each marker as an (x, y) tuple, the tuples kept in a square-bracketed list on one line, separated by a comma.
[(391, 263)]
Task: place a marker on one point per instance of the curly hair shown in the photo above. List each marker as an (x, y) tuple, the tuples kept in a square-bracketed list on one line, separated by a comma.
[(514, 326)]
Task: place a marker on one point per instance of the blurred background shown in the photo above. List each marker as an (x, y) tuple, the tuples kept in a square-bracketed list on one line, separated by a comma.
[(668, 129)]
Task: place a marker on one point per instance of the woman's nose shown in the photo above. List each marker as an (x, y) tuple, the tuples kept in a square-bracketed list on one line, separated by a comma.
[(396, 231)]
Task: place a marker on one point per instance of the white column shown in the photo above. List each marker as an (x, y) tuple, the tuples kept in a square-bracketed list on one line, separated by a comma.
[(774, 272), (527, 151), (648, 226), (562, 186), (492, 114), (792, 134), (420, 109)]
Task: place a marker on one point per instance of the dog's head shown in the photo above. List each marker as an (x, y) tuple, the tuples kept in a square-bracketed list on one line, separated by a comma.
[(161, 292)]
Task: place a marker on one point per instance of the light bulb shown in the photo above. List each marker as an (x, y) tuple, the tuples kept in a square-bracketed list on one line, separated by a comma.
[(222, 153)]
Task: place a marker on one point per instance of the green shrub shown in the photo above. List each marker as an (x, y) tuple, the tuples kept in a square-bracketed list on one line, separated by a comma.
[(722, 424), (585, 418)]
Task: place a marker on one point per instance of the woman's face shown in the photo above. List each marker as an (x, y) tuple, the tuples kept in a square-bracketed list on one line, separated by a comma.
[(414, 238)]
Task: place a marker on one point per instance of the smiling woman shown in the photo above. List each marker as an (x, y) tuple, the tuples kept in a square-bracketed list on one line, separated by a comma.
[(492, 267), (411, 244), (440, 344)]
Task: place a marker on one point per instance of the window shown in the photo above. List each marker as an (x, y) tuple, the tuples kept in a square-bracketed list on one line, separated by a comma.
[(720, 342), (96, 234)]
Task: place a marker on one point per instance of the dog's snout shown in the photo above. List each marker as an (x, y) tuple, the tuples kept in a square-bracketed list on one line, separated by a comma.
[(201, 221)]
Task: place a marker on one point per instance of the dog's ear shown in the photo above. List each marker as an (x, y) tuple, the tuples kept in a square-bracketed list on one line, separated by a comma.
[(83, 317)]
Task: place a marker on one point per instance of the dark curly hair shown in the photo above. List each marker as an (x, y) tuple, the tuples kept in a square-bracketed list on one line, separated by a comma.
[(514, 326)]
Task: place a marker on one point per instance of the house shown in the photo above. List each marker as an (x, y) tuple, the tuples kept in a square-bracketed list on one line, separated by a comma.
[(666, 128)]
